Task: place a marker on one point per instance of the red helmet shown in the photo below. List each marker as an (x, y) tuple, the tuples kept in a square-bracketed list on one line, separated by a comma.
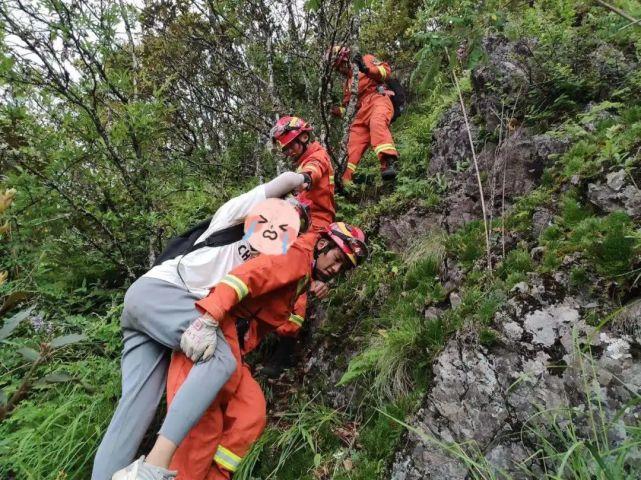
[(338, 54), (350, 239), (287, 128)]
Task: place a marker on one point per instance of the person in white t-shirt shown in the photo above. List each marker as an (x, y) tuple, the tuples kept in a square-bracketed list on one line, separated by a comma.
[(159, 316), (200, 270)]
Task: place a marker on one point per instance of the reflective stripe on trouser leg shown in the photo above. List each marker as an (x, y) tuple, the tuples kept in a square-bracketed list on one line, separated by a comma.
[(388, 148), (227, 459), (350, 168), (381, 114)]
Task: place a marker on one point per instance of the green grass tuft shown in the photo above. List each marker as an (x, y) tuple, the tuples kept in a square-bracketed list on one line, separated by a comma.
[(56, 435)]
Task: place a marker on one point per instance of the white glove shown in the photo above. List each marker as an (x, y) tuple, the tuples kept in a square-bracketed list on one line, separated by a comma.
[(198, 342)]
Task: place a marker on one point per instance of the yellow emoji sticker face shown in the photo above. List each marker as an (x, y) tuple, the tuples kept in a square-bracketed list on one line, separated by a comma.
[(272, 226)]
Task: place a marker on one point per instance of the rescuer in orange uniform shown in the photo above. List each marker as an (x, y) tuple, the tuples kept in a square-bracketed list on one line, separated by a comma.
[(374, 111), (292, 136), (235, 420), (256, 298)]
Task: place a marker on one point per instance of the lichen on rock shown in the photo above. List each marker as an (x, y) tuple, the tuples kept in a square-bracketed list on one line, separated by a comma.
[(550, 368)]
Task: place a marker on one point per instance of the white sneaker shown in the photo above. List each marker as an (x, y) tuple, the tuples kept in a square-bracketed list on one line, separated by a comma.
[(139, 470)]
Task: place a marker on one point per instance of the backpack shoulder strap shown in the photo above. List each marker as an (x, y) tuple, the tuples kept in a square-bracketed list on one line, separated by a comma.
[(201, 226), (219, 238)]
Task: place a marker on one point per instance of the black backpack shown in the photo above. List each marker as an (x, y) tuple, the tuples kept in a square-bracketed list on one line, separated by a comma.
[(399, 99), (186, 242)]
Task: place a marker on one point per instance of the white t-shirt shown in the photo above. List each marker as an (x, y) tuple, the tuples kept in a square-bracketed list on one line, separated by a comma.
[(203, 268)]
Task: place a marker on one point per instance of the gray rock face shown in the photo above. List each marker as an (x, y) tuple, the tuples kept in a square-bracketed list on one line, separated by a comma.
[(628, 321), (541, 219), (510, 171), (515, 167), (451, 146), (499, 400), (401, 230), (549, 366), (610, 64), (501, 82), (617, 193), (544, 325)]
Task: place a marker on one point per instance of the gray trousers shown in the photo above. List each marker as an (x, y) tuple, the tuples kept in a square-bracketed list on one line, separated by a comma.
[(155, 315)]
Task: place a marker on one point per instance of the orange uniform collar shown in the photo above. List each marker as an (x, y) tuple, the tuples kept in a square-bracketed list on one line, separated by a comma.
[(311, 148)]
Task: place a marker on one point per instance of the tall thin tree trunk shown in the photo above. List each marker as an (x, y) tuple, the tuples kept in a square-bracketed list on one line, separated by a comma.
[(132, 46), (258, 167), (350, 111), (271, 87)]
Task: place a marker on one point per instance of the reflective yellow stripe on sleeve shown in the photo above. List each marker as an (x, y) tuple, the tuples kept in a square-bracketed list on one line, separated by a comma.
[(227, 459), (384, 146), (296, 319), (237, 284), (312, 167), (382, 71), (351, 166)]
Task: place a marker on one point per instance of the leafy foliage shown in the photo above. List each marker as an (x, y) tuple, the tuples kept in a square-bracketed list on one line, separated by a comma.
[(113, 139)]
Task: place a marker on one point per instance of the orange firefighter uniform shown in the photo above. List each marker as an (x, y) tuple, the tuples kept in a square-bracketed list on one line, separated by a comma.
[(266, 291), (214, 448), (374, 114), (316, 163), (216, 445)]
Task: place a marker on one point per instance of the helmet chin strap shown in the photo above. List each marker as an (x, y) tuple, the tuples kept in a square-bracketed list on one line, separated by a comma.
[(317, 253), (304, 145), (315, 261)]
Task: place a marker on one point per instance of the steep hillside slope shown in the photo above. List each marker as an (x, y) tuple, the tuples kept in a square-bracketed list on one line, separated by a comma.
[(495, 331), (525, 369)]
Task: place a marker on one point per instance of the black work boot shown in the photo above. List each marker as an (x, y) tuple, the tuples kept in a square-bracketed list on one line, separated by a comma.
[(388, 172), (282, 358)]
